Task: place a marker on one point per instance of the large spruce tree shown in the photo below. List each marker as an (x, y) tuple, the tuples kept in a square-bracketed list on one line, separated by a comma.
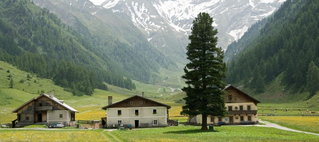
[(205, 73)]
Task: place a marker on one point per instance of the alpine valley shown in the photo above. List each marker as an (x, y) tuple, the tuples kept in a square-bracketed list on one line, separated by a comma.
[(127, 64)]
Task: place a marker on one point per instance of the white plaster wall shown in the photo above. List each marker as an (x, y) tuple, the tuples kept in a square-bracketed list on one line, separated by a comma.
[(198, 119), (145, 117)]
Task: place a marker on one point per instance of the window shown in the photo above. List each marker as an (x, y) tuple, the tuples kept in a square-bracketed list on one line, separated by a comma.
[(119, 112), (40, 104), (241, 118), (230, 97), (154, 111), (220, 119), (155, 122), (119, 122), (248, 107), (27, 118), (241, 108), (61, 115), (212, 118), (136, 112), (230, 108), (72, 116), (249, 118)]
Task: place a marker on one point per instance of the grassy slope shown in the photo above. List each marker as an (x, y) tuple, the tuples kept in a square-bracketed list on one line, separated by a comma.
[(89, 107), (168, 134)]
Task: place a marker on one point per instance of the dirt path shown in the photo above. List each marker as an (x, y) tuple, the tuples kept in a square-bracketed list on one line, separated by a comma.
[(273, 125)]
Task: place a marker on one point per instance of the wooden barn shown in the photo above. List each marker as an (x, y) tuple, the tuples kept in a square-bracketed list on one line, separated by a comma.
[(44, 109)]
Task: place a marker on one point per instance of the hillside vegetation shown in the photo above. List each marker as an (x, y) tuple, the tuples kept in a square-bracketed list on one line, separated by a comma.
[(26, 86), (37, 41), (283, 55)]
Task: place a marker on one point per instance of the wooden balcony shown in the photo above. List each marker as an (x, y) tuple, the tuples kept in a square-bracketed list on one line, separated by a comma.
[(41, 108), (238, 112)]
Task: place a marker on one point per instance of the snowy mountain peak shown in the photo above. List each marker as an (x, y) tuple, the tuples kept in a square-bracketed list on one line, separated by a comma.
[(153, 17)]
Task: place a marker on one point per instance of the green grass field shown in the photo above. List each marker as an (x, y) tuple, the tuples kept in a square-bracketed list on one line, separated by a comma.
[(304, 123), (168, 134)]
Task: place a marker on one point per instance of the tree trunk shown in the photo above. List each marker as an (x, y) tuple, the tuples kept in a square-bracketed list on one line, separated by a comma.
[(204, 122)]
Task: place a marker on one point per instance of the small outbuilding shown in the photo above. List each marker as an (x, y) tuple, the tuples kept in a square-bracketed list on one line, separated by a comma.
[(44, 109), (136, 111)]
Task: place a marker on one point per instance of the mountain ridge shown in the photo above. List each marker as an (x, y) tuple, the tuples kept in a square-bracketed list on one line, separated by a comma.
[(160, 19), (114, 38), (284, 51)]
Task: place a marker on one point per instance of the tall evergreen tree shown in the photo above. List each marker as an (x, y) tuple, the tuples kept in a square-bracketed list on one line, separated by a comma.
[(205, 73)]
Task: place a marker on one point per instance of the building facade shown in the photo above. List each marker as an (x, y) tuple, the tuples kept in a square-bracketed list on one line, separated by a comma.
[(241, 109), (44, 109), (136, 112)]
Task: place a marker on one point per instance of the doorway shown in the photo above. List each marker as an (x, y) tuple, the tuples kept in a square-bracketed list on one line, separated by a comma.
[(137, 122), (231, 119), (39, 117)]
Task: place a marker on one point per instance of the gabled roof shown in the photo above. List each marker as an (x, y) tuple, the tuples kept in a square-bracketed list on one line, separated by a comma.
[(54, 99), (229, 86), (136, 96)]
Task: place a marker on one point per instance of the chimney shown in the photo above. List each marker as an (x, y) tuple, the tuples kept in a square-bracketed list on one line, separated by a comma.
[(142, 94), (109, 98), (51, 93)]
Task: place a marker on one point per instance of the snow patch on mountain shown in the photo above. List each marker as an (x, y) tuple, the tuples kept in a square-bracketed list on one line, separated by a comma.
[(97, 2), (238, 33)]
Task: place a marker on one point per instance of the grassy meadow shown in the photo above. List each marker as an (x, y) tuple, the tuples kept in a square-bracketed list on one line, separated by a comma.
[(304, 123), (168, 134)]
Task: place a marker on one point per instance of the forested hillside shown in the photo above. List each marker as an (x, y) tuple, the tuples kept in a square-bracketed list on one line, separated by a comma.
[(113, 36), (36, 41), (286, 48)]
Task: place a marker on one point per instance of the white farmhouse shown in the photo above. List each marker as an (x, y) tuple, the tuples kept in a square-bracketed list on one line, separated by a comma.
[(136, 111), (241, 108)]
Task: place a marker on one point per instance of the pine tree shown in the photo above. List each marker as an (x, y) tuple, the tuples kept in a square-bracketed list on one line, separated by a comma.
[(205, 73)]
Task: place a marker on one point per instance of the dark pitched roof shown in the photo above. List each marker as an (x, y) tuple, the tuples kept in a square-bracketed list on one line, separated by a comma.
[(60, 102), (229, 86), (136, 96)]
